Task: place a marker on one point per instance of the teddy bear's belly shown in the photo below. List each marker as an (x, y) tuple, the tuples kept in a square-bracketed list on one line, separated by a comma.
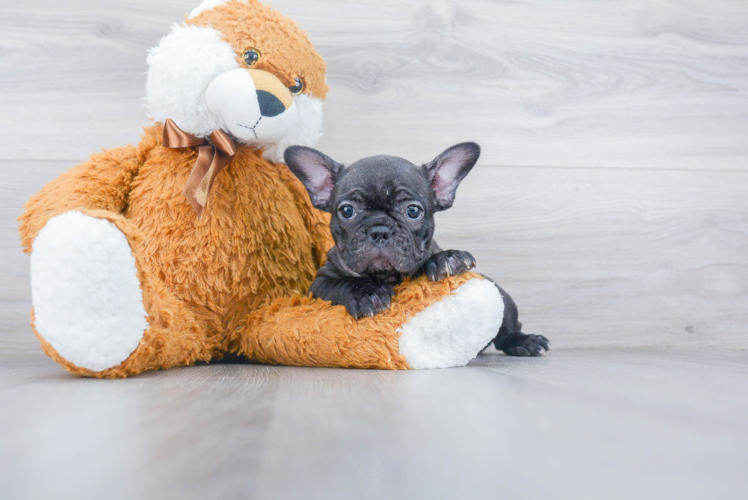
[(250, 245)]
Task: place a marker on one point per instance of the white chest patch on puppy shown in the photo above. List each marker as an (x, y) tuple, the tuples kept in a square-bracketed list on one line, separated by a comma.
[(450, 332), (86, 294)]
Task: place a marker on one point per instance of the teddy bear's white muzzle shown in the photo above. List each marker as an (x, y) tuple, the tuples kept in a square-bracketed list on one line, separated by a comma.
[(254, 105)]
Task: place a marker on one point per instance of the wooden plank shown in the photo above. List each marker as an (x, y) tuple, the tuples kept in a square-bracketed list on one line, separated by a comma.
[(21, 180), (633, 424), (630, 84), (17, 340), (592, 256), (613, 256)]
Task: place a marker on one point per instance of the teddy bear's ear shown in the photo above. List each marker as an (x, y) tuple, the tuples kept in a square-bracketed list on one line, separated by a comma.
[(446, 171), (318, 173)]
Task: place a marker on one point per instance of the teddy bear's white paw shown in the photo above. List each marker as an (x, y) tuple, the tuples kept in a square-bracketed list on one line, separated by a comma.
[(453, 331), (87, 299)]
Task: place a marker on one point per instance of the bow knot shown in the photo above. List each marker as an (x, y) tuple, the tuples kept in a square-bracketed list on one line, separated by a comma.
[(212, 156)]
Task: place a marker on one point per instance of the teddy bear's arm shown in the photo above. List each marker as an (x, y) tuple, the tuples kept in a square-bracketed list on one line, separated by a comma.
[(319, 224), (430, 324), (316, 221), (103, 182)]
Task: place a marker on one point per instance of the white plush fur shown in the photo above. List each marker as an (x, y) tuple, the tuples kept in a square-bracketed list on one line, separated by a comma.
[(192, 64), (233, 97), (85, 290), (206, 5), (181, 67), (453, 331), (307, 130)]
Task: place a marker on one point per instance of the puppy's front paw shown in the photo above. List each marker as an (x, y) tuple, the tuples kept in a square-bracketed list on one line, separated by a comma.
[(520, 344), (369, 299), (448, 263)]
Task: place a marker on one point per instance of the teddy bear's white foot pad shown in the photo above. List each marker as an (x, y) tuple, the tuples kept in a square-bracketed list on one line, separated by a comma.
[(86, 293), (454, 330)]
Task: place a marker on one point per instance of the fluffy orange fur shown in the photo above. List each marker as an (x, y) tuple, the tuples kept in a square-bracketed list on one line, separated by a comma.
[(302, 331), (233, 280), (285, 49)]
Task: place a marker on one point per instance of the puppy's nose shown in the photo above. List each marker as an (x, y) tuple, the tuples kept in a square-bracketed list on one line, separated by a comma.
[(380, 235)]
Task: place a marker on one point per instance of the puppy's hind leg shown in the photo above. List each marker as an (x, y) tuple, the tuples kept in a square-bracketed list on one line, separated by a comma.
[(510, 338)]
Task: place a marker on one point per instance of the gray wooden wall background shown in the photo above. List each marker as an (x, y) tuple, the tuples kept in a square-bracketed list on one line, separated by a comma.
[(612, 196)]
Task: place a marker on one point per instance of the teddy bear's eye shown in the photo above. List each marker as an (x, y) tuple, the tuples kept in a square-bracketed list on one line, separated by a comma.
[(298, 86), (251, 56)]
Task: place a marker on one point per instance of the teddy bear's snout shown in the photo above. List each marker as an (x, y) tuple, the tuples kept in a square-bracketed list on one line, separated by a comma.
[(269, 104), (254, 105), (272, 96)]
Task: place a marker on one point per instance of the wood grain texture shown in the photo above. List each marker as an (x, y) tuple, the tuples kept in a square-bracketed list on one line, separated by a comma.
[(631, 84), (614, 424), (611, 196), (612, 256)]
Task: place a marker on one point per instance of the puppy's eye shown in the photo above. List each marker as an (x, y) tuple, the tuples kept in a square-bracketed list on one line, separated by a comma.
[(251, 56), (346, 212), (298, 86), (414, 212)]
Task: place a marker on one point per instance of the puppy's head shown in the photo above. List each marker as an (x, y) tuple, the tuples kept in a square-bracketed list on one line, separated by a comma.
[(383, 206)]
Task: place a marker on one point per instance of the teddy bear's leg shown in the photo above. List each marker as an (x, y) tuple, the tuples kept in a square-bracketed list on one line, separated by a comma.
[(430, 325), (97, 311)]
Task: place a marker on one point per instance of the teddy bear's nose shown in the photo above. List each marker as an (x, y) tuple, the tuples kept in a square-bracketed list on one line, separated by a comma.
[(269, 104), (272, 96)]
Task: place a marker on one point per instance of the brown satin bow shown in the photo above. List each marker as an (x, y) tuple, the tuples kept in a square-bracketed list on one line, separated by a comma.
[(212, 157)]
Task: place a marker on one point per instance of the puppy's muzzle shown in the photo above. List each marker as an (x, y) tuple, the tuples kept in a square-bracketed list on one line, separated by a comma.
[(379, 235)]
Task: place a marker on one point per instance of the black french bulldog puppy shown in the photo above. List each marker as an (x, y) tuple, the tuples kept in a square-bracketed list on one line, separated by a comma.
[(383, 226)]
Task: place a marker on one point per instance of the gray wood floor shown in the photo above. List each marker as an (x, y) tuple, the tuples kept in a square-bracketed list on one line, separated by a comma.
[(608, 423), (611, 201)]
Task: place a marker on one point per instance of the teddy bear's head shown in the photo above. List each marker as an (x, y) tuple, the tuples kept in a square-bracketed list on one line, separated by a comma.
[(241, 67)]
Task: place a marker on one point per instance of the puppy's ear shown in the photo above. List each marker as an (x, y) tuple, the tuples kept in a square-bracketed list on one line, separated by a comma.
[(448, 169), (316, 171)]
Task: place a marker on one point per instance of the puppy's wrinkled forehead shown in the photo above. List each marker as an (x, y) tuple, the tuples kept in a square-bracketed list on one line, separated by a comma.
[(383, 180)]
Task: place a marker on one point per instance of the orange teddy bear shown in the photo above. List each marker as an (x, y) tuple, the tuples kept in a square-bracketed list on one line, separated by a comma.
[(198, 243)]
